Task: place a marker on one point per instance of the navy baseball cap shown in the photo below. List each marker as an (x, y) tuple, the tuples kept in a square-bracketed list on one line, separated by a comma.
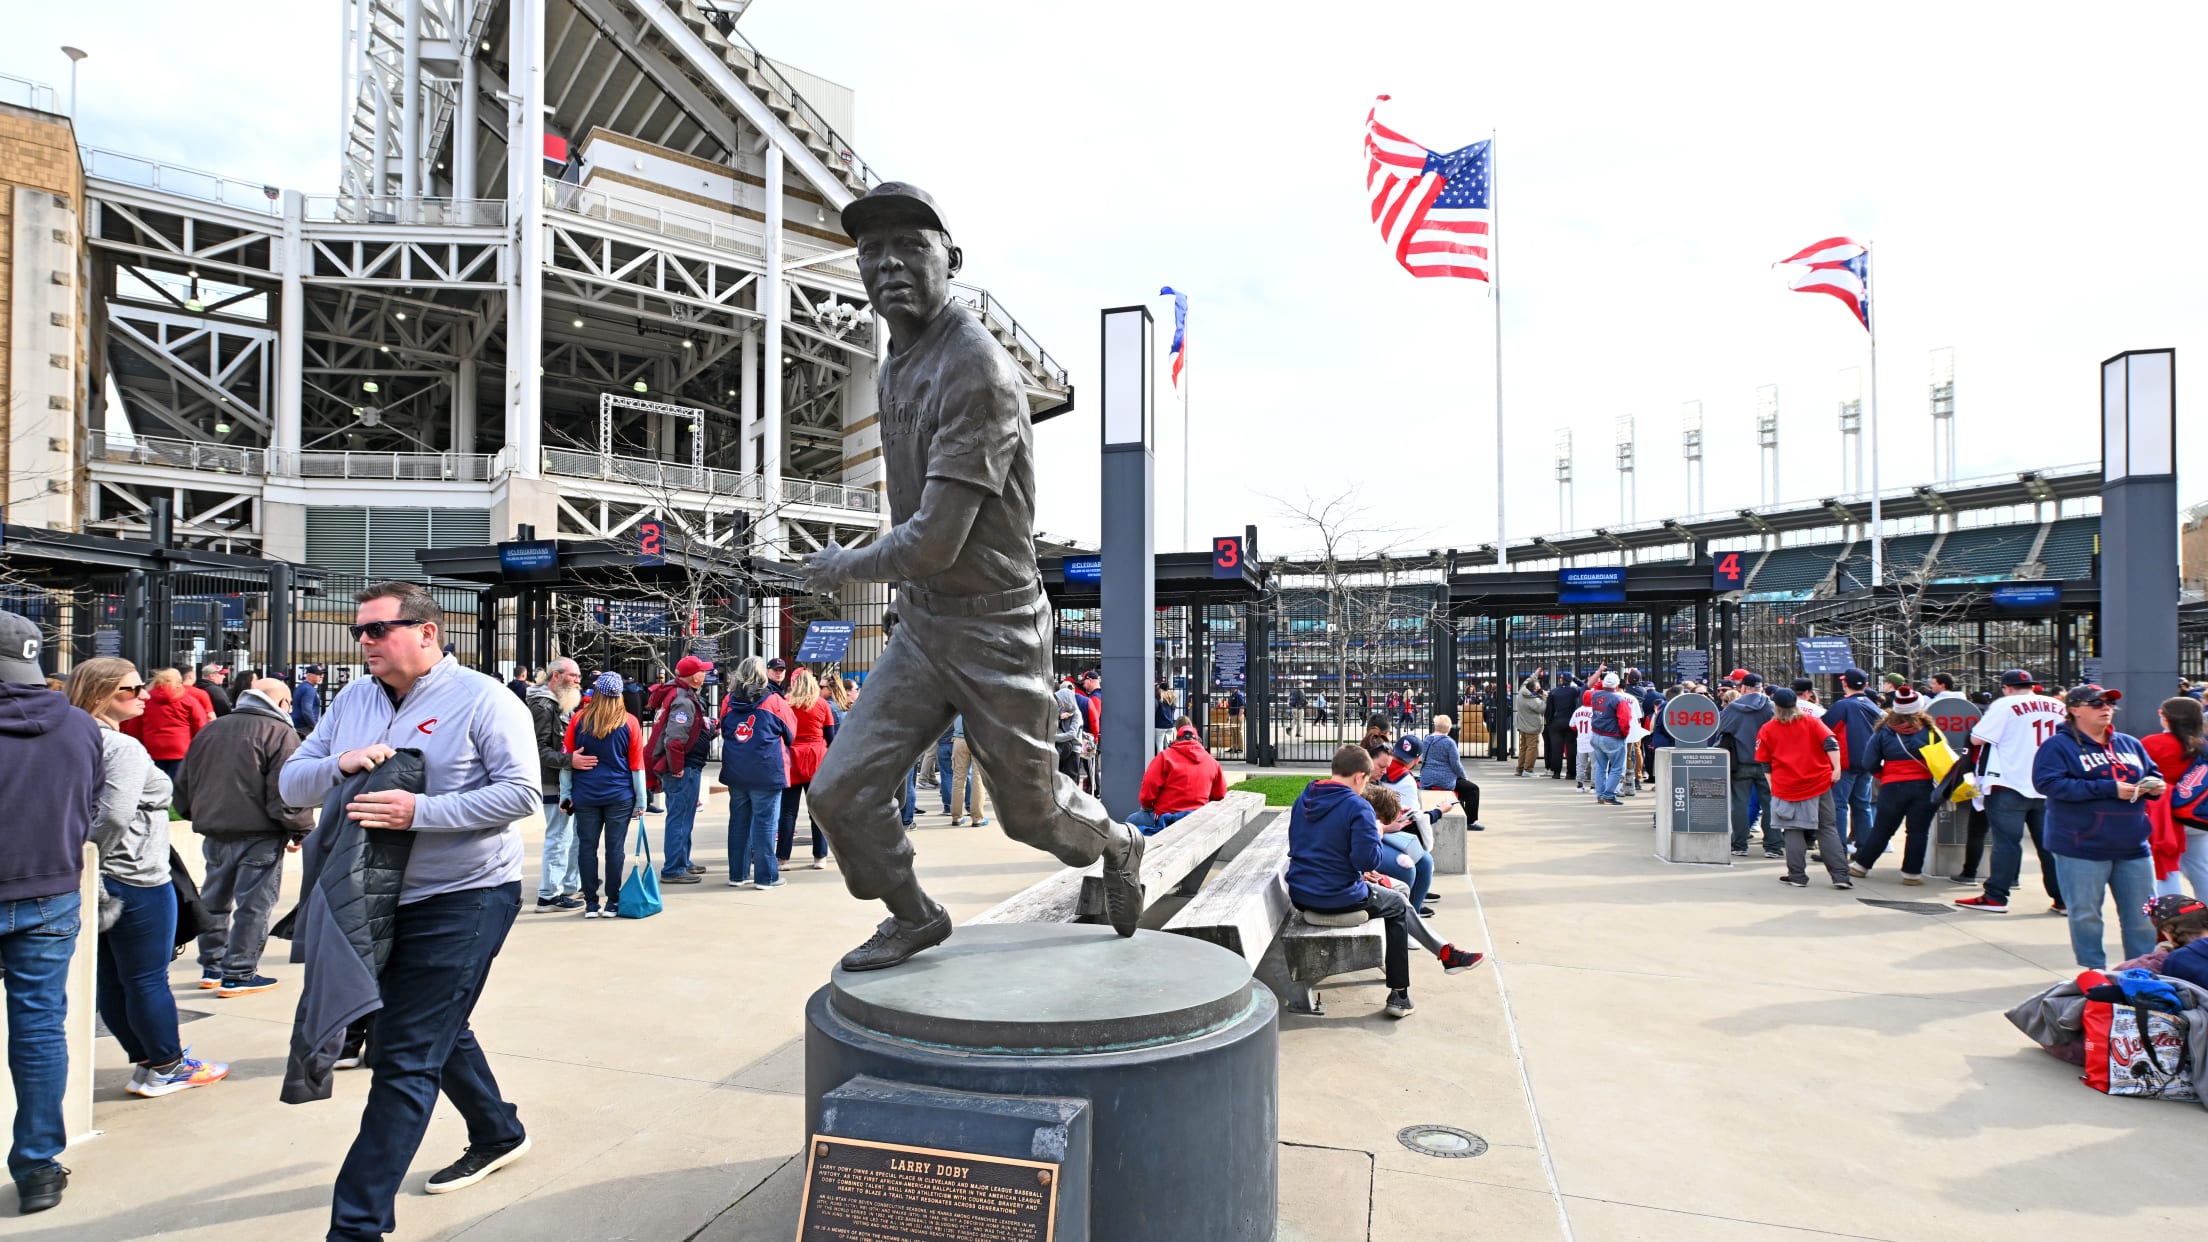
[(1409, 750), (20, 644), (1856, 677), (1782, 696), (2018, 677), (2090, 695), (777, 665)]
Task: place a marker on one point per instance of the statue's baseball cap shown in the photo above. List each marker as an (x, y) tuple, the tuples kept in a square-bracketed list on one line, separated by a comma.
[(20, 644), (892, 200)]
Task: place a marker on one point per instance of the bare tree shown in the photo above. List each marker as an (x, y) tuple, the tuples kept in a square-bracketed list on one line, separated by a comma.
[(1370, 598), (1900, 620)]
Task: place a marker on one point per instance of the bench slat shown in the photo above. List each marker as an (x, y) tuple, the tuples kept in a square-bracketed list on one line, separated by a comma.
[(1243, 906), (1179, 853)]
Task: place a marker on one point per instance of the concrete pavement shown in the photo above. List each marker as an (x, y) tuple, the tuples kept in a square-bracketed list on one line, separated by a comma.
[(1710, 1055)]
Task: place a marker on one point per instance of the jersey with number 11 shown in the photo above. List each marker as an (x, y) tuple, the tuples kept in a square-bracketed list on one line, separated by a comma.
[(2012, 730)]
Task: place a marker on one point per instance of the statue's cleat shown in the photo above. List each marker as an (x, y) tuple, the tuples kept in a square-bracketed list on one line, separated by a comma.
[(896, 940), (1123, 882)]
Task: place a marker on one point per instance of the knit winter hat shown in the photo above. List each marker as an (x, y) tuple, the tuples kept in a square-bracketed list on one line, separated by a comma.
[(1907, 700), (607, 683)]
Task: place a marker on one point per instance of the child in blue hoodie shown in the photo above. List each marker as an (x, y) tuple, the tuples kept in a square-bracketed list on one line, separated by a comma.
[(1333, 844)]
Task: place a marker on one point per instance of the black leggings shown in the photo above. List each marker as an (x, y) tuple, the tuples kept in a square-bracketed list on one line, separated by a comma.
[(1467, 793), (1900, 801)]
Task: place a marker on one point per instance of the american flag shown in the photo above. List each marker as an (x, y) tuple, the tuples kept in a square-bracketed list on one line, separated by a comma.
[(1839, 266), (1432, 207)]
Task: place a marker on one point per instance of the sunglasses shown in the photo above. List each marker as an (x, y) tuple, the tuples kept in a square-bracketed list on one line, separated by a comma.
[(380, 630), (135, 688)]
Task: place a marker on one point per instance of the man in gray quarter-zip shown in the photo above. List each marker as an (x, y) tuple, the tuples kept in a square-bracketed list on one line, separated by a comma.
[(461, 891)]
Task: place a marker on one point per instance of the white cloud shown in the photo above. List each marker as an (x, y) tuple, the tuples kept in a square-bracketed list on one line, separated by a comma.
[(2029, 184)]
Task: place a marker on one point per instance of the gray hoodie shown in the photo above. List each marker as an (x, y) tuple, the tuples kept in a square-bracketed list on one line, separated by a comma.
[(481, 751), (1741, 721), (132, 827)]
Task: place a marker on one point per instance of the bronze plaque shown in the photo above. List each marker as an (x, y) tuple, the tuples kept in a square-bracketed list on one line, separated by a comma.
[(862, 1191)]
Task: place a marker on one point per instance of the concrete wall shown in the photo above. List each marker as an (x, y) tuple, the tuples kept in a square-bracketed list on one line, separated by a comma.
[(42, 356)]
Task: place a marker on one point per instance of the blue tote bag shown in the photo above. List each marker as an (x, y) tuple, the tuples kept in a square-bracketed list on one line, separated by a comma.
[(640, 891)]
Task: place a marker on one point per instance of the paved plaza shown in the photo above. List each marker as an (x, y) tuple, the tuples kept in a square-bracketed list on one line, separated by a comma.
[(1710, 1055)]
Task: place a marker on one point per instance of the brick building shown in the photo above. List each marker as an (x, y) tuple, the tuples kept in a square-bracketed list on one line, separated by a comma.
[(42, 339)]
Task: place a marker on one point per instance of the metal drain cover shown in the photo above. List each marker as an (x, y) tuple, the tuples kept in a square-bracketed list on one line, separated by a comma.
[(1906, 907), (1445, 1142)]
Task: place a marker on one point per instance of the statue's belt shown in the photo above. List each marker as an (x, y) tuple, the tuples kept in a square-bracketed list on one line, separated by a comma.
[(941, 605)]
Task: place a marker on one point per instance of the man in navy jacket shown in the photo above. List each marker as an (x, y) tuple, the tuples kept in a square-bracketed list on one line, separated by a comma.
[(1852, 720), (50, 772), (1333, 845)]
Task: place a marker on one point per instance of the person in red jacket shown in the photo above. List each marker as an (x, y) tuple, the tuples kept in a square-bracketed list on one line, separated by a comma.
[(814, 727), (174, 715), (1180, 779), (1803, 759)]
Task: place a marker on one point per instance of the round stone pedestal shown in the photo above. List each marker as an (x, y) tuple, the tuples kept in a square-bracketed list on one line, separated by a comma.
[(1168, 1041)]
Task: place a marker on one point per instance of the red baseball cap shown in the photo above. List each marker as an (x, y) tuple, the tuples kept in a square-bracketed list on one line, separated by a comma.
[(691, 666), (1738, 674)]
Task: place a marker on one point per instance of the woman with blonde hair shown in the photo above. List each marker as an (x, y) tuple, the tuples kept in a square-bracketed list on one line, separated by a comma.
[(609, 793), (816, 727), (131, 828), (171, 717)]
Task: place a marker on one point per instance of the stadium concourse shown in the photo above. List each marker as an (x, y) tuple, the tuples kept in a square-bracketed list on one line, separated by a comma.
[(1658, 1052)]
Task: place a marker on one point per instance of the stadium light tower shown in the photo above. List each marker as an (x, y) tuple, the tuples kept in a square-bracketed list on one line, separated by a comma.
[(1690, 447), (1629, 487), (1767, 442), (1564, 479), (1943, 414), (1851, 430)]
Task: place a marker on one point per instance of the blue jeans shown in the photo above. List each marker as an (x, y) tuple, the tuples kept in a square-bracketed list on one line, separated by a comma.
[(1419, 875), (607, 828), (560, 873), (912, 792), (2193, 866), (682, 816), (135, 1000), (38, 936), (1851, 800), (1150, 823), (441, 953), (753, 815), (2085, 882), (1609, 764), (1751, 786), (943, 773), (2009, 815)]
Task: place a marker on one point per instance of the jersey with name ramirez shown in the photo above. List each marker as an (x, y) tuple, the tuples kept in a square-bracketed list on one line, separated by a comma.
[(953, 407), (2011, 730)]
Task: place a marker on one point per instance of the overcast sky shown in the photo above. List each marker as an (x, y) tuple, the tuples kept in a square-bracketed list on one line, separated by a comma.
[(2032, 185)]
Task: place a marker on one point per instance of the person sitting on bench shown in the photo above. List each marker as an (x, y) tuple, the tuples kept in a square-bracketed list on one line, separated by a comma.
[(1333, 844), (1180, 780)]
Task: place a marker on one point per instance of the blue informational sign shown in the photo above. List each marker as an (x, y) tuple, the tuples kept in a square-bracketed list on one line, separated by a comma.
[(1825, 654), (1693, 664), (826, 642), (1597, 585), (2027, 594), (629, 616), (1230, 662), (529, 560), (1084, 569)]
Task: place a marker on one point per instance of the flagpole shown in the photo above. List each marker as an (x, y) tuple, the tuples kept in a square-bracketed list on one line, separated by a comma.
[(1870, 323), (1187, 433), (1495, 290)]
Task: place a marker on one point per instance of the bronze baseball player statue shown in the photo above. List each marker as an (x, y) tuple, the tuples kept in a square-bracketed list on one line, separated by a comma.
[(975, 631)]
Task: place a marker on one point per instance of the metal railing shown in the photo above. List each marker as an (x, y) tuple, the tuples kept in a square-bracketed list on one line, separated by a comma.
[(25, 93), (740, 48), (176, 454), (676, 476), (176, 179), (992, 310), (393, 209), (733, 234), (388, 467), (258, 462)]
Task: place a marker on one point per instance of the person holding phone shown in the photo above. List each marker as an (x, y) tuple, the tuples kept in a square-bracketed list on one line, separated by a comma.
[(2096, 781)]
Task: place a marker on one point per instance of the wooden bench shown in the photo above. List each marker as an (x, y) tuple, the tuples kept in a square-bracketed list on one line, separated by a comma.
[(1174, 860), (1451, 835), (1246, 909)]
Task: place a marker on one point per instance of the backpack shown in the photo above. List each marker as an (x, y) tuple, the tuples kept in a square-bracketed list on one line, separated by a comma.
[(678, 723)]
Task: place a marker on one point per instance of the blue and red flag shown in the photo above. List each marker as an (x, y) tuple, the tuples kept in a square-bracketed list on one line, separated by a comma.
[(1180, 331), (1839, 266)]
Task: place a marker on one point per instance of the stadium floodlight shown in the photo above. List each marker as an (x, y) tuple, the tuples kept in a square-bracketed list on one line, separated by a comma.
[(1690, 447), (1851, 430), (1767, 442), (1564, 478), (1628, 483), (1942, 395)]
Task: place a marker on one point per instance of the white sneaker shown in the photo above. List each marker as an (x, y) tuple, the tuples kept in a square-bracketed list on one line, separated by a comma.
[(739, 884), (591, 914)]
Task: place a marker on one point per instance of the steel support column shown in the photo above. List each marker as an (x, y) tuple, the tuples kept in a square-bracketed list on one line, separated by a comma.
[(774, 302), (291, 339), (525, 208)]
